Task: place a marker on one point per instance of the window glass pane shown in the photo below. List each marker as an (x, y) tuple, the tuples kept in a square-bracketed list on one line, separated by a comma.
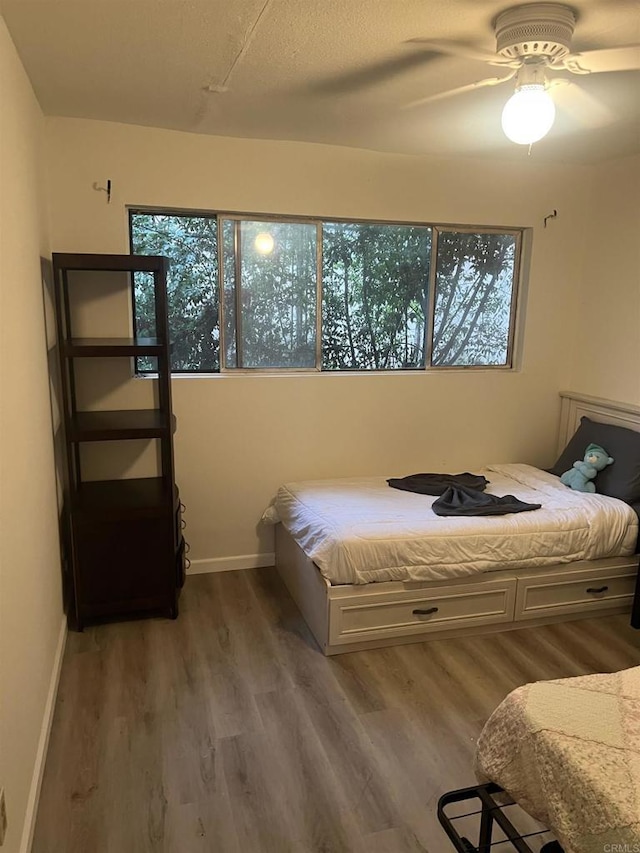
[(191, 244), (475, 288), (275, 294), (145, 321), (374, 295)]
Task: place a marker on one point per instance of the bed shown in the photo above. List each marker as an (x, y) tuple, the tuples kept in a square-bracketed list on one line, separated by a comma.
[(352, 552), (568, 752)]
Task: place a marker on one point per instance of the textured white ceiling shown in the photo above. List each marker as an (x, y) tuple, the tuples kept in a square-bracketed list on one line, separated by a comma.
[(332, 71)]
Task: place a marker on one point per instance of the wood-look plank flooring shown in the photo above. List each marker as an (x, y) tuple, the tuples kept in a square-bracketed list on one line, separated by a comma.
[(227, 731)]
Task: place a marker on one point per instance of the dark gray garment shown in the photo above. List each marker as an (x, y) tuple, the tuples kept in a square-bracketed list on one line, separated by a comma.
[(458, 500), (436, 484)]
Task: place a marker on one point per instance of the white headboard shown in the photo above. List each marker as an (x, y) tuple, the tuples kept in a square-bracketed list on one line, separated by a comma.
[(574, 406)]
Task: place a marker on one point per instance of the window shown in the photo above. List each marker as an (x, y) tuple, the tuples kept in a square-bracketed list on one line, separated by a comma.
[(191, 242), (254, 293), (375, 286), (270, 293), (474, 298)]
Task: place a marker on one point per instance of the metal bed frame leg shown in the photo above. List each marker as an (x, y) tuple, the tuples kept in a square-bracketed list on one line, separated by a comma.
[(486, 829), (635, 612)]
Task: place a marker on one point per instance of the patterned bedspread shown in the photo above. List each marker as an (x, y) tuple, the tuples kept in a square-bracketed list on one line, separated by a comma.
[(568, 752)]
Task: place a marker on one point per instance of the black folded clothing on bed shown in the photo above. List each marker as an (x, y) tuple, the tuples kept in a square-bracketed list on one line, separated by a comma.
[(460, 494), (436, 484), (459, 500)]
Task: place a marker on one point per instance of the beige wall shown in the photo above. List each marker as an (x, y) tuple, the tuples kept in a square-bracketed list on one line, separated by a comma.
[(239, 436), (30, 599), (606, 359)]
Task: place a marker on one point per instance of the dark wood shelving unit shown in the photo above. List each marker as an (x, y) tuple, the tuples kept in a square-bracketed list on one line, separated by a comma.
[(109, 347), (146, 495), (126, 553), (127, 424)]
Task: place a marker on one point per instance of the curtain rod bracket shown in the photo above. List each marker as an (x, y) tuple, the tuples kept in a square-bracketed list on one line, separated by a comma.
[(106, 189)]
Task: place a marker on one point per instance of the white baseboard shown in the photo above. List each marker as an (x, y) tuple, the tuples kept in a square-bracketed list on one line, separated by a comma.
[(230, 564), (29, 825)]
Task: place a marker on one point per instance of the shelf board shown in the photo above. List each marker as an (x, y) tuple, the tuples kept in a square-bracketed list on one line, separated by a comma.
[(119, 425), (133, 497), (110, 263), (112, 347)]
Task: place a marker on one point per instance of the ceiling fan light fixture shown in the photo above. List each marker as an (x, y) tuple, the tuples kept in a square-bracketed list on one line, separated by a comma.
[(535, 29), (528, 115)]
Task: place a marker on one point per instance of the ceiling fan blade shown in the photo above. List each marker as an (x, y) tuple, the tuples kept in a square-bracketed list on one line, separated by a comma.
[(470, 87), (598, 61), (580, 105), (465, 51)]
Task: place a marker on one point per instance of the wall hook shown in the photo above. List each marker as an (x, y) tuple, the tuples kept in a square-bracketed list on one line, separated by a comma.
[(106, 189), (550, 216)]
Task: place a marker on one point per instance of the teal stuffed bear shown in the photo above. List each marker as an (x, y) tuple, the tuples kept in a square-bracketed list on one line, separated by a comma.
[(581, 475)]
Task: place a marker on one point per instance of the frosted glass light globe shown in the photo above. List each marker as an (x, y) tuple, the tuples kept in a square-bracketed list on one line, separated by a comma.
[(528, 115)]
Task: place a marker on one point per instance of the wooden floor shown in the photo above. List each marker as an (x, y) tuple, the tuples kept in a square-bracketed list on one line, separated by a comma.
[(227, 731)]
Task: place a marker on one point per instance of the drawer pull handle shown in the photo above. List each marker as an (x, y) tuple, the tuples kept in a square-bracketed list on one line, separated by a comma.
[(596, 589), (426, 612)]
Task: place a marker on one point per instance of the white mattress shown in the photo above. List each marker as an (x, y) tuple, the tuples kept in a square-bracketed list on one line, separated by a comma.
[(360, 530)]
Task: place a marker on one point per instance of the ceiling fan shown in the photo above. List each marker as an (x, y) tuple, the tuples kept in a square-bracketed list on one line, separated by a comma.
[(533, 41)]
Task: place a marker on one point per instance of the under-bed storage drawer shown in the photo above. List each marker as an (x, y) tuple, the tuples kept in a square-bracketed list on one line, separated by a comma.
[(575, 592), (357, 618)]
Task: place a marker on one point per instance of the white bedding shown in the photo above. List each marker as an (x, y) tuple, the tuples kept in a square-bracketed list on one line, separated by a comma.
[(360, 530)]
